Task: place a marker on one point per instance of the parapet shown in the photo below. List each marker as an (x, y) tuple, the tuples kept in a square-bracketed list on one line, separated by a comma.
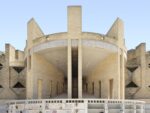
[(15, 57), (115, 35), (136, 55)]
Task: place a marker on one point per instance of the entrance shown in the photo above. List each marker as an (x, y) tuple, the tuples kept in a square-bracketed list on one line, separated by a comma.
[(111, 88), (93, 88), (99, 89), (40, 82), (74, 73)]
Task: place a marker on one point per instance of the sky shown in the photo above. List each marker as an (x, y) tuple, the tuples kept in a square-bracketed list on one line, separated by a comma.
[(51, 15)]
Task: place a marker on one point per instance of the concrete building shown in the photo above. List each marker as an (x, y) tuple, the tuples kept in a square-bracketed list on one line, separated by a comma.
[(138, 70), (75, 65), (72, 63), (12, 74)]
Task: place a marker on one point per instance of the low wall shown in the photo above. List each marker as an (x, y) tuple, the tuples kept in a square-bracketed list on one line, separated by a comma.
[(75, 106)]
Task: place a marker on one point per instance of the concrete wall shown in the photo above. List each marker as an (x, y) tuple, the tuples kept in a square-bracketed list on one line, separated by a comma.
[(39, 72), (47, 73), (139, 59), (9, 77), (104, 72)]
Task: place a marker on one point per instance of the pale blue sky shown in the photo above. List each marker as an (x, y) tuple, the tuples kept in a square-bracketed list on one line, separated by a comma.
[(51, 15)]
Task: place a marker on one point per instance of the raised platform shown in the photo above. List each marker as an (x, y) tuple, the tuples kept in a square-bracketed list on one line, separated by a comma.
[(75, 106)]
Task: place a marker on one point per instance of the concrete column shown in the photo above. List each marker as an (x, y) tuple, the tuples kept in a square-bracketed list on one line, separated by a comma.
[(7, 81), (124, 64), (33, 31), (142, 50), (79, 68), (119, 73), (69, 58), (29, 78), (122, 76)]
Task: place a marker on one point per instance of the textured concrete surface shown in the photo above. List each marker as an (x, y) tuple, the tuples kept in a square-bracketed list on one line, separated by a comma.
[(75, 63)]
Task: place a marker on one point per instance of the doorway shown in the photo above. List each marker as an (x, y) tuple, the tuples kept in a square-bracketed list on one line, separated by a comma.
[(93, 88), (86, 88), (111, 88), (40, 82), (100, 89), (50, 95), (74, 73)]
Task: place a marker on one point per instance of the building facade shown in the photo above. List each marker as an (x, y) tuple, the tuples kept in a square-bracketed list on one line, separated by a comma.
[(137, 73), (74, 64)]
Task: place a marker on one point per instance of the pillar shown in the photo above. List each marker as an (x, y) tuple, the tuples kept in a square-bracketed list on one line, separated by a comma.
[(33, 32), (79, 68), (122, 76), (119, 73), (69, 69)]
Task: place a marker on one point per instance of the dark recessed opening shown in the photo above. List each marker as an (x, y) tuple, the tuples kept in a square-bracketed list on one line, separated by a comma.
[(16, 54), (132, 69), (1, 66), (18, 85), (18, 69), (74, 73), (131, 85), (1, 86), (149, 65)]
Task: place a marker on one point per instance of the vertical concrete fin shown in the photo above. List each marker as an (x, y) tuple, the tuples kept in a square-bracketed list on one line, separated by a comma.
[(69, 65), (140, 51), (34, 31), (7, 53), (117, 31), (80, 69), (142, 48), (74, 19), (10, 50)]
